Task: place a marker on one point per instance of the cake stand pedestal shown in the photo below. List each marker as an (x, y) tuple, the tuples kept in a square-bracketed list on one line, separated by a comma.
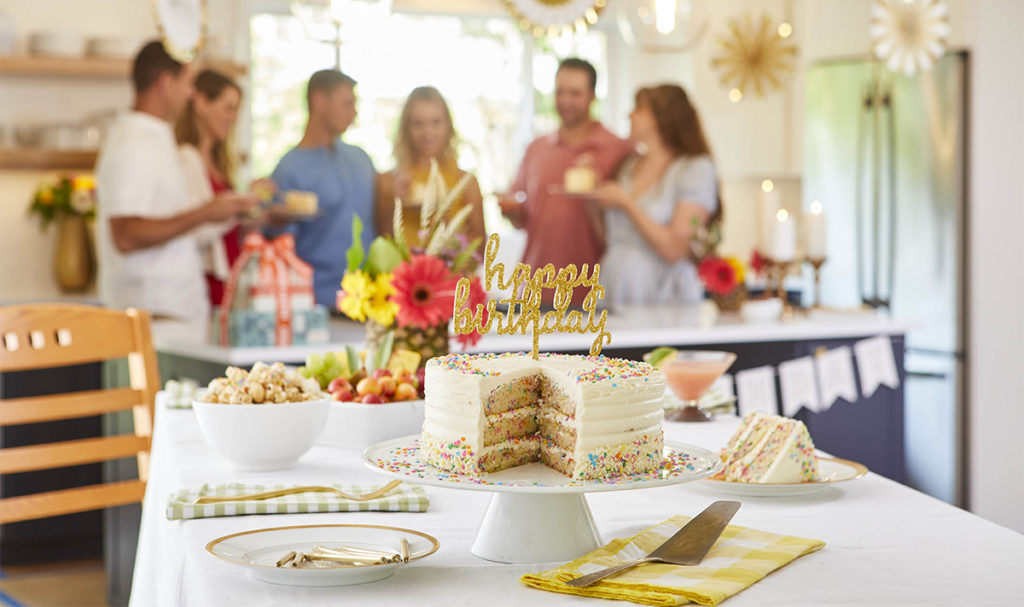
[(535, 515), (534, 527)]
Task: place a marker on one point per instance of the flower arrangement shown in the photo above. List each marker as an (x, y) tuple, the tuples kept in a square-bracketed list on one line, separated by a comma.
[(66, 195), (412, 289), (725, 279)]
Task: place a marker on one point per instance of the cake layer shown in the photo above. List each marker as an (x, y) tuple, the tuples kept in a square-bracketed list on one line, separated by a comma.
[(510, 424)]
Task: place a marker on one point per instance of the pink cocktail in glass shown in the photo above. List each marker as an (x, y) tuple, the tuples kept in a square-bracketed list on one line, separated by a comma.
[(690, 374)]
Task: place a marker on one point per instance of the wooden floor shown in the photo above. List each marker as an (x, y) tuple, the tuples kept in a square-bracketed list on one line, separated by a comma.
[(75, 584)]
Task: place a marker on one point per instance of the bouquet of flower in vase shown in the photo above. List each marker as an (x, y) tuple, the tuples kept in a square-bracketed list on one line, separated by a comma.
[(724, 278), (410, 291)]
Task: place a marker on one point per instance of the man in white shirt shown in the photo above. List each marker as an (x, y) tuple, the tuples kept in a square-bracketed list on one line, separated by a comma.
[(148, 254)]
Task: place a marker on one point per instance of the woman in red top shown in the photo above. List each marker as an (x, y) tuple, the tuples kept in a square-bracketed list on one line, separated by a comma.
[(204, 135)]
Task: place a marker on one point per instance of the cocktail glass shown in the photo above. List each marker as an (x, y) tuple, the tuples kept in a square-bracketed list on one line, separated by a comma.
[(689, 375)]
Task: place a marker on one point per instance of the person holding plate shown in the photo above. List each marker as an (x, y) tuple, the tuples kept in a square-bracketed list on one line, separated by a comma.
[(560, 226), (658, 202), (146, 230), (425, 133), (340, 175)]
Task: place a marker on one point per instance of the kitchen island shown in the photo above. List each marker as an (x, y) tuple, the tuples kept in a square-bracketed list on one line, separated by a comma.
[(869, 431)]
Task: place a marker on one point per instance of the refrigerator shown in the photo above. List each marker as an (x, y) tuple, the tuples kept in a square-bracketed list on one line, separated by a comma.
[(886, 156)]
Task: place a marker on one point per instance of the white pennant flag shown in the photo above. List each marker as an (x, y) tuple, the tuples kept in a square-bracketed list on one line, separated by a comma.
[(724, 386), (835, 376), (876, 364), (755, 390), (799, 387)]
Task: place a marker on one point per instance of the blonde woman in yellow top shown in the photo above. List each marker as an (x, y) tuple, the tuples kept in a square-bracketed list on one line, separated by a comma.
[(425, 132)]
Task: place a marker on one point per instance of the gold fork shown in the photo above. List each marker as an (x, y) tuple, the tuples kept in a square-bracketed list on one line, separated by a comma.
[(216, 499)]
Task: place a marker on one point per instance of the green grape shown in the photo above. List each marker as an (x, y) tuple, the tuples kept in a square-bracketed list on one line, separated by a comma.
[(305, 372), (329, 359), (315, 363)]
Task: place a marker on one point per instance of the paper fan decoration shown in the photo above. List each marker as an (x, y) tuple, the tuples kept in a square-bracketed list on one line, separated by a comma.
[(554, 17), (909, 35), (754, 55)]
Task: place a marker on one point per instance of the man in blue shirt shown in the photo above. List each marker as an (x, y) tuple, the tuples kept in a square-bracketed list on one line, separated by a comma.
[(341, 175)]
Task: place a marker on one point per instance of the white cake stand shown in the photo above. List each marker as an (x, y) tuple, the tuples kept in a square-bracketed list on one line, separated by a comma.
[(535, 514)]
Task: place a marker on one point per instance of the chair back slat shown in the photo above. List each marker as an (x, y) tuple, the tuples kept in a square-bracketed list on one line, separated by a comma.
[(71, 453), (41, 336), (55, 335), (68, 501), (33, 409)]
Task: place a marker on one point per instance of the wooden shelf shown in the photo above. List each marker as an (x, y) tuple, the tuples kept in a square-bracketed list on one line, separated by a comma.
[(43, 159), (89, 67)]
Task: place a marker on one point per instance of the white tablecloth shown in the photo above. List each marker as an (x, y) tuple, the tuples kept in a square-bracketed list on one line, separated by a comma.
[(885, 544)]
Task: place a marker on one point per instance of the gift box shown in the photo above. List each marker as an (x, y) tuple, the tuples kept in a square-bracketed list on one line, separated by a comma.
[(269, 292), (253, 328)]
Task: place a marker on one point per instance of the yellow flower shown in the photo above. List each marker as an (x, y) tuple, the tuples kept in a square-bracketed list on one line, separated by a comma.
[(46, 196), (83, 182), (354, 295), (737, 267), (378, 307)]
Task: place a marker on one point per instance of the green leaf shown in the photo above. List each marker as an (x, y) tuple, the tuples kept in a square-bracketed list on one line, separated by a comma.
[(383, 257), (383, 354), (354, 362), (465, 255), (355, 253)]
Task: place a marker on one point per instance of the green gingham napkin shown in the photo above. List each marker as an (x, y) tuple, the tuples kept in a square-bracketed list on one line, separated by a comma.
[(403, 498), (180, 394)]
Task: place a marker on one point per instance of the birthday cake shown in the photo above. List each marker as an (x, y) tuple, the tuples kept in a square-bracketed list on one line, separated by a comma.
[(769, 449), (589, 417)]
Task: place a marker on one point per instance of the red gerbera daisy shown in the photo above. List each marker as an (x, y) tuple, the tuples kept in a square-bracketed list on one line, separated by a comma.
[(717, 275), (477, 295), (425, 292)]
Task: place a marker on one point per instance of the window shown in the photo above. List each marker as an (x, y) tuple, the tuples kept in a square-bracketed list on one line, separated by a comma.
[(498, 83)]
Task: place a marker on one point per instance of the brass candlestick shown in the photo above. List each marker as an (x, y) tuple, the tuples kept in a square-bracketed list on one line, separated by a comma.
[(816, 263)]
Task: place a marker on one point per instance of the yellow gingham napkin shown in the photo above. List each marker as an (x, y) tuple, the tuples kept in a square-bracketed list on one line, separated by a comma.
[(739, 558)]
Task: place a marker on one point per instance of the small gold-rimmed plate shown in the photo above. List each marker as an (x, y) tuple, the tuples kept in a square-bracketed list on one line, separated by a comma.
[(259, 551), (832, 470)]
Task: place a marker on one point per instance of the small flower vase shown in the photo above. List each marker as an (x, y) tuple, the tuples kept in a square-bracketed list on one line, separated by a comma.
[(73, 263), (430, 342), (731, 301)]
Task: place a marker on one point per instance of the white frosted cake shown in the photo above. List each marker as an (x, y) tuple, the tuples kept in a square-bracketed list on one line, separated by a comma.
[(588, 417), (769, 449)]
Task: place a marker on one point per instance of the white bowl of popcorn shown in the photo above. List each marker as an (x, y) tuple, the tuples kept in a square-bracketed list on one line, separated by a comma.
[(263, 419)]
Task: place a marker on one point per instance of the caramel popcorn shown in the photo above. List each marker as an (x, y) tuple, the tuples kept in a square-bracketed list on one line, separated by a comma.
[(263, 384)]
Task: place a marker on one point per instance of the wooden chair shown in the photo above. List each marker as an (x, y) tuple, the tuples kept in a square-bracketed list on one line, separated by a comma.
[(54, 335)]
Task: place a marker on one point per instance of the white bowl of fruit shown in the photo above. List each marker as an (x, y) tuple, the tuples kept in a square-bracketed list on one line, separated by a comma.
[(369, 406)]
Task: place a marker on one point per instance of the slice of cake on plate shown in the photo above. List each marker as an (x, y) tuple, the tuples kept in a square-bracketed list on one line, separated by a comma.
[(769, 449), (588, 417)]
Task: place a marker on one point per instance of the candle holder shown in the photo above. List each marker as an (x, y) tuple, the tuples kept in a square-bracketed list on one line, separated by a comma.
[(816, 263), (779, 268)]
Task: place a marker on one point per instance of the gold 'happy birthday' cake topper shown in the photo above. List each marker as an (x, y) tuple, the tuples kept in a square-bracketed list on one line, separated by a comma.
[(525, 287)]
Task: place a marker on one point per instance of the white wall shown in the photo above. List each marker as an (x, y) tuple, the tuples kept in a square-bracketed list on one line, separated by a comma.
[(996, 417)]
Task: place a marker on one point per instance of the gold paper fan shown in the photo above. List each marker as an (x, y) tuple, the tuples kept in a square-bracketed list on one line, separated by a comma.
[(754, 55), (909, 35), (554, 17)]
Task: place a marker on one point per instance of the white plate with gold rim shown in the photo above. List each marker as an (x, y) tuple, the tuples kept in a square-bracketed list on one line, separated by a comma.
[(832, 471), (260, 549)]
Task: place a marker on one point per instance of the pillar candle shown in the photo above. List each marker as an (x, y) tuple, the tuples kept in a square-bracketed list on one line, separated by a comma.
[(814, 232), (783, 244), (769, 208)]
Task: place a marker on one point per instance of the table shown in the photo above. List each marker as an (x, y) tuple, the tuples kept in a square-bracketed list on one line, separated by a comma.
[(886, 544)]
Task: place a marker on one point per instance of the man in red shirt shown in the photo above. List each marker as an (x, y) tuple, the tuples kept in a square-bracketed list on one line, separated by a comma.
[(560, 228)]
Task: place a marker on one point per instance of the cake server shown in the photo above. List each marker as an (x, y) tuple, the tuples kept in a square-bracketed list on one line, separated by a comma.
[(687, 547)]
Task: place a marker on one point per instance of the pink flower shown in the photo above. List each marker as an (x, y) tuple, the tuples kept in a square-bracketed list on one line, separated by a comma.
[(477, 295), (424, 292)]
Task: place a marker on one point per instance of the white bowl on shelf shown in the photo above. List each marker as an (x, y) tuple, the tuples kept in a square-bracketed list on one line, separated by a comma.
[(57, 44), (262, 437), (111, 47), (357, 426), (761, 311)]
